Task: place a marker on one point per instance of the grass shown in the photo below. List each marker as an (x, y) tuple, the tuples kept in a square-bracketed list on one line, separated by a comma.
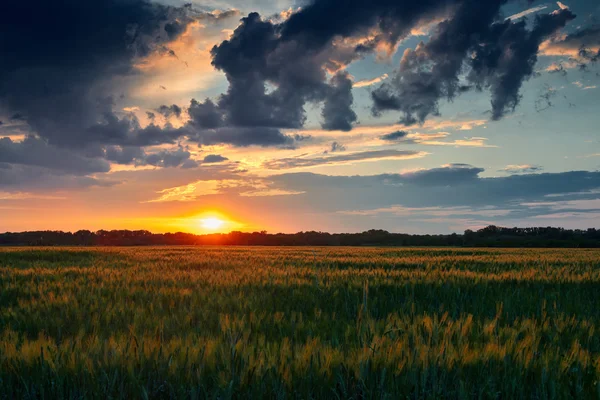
[(237, 322)]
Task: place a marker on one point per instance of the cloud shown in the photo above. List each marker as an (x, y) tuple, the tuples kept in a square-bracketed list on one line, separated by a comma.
[(65, 72), (583, 86), (466, 142), (255, 55), (337, 147), (205, 115), (522, 169), (60, 75), (254, 187), (138, 156), (363, 156), (394, 136), (529, 11), (561, 67), (500, 56), (124, 154), (269, 193), (242, 137), (27, 196), (433, 139), (29, 178), (337, 112), (587, 204), (36, 152), (275, 67), (452, 195), (169, 111), (186, 192), (429, 212), (453, 192), (214, 158), (448, 175), (369, 82), (65, 79), (582, 47), (169, 158)]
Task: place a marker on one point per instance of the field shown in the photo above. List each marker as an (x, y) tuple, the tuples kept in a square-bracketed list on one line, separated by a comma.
[(340, 323)]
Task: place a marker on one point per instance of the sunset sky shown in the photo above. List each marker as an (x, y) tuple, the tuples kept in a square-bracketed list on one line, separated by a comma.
[(427, 116)]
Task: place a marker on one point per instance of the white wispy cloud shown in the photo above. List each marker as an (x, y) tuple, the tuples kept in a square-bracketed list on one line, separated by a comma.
[(369, 82), (527, 12), (399, 210), (245, 188), (27, 195), (521, 168), (306, 161)]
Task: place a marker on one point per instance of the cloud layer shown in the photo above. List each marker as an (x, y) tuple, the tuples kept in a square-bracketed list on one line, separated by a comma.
[(68, 66)]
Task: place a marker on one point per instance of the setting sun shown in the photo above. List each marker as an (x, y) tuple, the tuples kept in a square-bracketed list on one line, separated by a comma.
[(211, 223)]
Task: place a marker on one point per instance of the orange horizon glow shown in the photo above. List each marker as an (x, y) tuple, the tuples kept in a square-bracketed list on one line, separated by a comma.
[(200, 222), (211, 222)]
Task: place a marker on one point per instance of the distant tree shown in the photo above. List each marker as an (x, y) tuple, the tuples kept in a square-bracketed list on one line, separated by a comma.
[(489, 236)]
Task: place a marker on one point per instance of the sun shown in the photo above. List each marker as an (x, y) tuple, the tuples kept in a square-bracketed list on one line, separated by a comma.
[(211, 223)]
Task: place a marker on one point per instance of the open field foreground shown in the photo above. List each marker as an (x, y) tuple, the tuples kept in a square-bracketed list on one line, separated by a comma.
[(237, 322)]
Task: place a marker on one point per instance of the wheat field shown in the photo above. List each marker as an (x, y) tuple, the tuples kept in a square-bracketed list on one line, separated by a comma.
[(306, 323)]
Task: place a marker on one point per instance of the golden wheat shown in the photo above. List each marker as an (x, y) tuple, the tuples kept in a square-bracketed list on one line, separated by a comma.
[(241, 322)]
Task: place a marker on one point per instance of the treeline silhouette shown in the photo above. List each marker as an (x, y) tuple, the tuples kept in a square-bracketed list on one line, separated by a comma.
[(491, 236)]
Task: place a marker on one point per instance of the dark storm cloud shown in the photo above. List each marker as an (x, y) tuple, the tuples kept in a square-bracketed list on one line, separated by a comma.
[(137, 156), (205, 115), (500, 55), (293, 57), (60, 62), (211, 124), (126, 131), (169, 158), (214, 158), (26, 177), (322, 20), (274, 69), (242, 136), (244, 60), (337, 111), (394, 136), (37, 152), (507, 56), (124, 154), (168, 111), (59, 59), (337, 147)]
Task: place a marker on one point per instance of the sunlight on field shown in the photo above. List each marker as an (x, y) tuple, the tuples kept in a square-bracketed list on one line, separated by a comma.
[(241, 322)]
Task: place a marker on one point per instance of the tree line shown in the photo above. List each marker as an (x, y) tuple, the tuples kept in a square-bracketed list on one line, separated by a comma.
[(490, 236)]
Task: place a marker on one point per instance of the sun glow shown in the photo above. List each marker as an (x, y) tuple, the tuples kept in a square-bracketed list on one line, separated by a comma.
[(211, 223)]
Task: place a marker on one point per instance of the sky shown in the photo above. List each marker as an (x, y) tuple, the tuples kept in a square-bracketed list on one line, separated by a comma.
[(428, 116)]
